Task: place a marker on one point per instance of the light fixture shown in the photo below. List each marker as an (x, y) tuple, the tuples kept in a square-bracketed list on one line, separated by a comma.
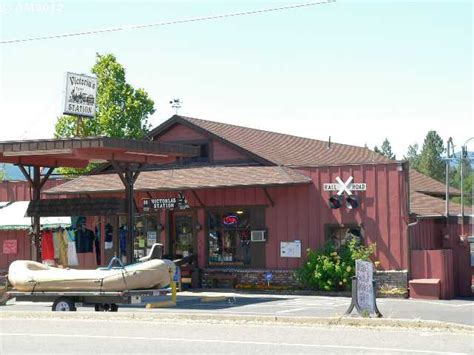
[(335, 202), (239, 212), (352, 202)]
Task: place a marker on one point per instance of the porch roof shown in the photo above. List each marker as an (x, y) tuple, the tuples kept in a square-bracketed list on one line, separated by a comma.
[(189, 178)]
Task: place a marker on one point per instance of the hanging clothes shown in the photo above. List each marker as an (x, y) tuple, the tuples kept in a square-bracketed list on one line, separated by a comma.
[(123, 241), (63, 247), (71, 249), (47, 247), (56, 237), (84, 240), (109, 234), (97, 244)]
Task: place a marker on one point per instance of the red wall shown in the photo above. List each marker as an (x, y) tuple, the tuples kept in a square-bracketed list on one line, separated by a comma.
[(20, 190), (23, 248), (301, 212), (181, 133), (435, 264)]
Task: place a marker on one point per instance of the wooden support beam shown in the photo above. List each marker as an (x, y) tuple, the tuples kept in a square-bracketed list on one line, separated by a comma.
[(197, 198), (268, 196)]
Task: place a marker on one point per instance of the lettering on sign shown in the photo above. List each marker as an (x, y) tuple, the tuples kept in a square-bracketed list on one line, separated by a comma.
[(178, 203), (365, 291), (81, 94), (347, 187)]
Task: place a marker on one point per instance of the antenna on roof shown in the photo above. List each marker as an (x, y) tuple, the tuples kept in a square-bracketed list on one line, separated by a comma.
[(329, 142), (176, 104)]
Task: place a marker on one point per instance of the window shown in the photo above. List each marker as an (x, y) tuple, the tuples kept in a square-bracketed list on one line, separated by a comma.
[(339, 235), (203, 153), (229, 235)]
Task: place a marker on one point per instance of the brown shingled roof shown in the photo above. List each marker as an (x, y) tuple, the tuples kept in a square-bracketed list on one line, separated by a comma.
[(421, 183), (282, 149), (425, 205), (191, 178)]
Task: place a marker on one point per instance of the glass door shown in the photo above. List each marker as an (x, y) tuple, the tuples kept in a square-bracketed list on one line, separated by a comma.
[(183, 243)]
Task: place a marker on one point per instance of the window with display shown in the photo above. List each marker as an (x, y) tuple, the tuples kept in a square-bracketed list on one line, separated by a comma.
[(339, 235), (229, 235)]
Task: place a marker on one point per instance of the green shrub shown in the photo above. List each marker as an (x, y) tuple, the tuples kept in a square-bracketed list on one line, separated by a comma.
[(330, 269)]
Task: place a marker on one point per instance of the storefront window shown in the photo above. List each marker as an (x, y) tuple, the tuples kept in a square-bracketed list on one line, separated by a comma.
[(339, 235), (229, 236), (146, 234)]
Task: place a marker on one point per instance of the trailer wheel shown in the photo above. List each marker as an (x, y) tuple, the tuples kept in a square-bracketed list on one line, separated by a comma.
[(113, 307), (64, 304)]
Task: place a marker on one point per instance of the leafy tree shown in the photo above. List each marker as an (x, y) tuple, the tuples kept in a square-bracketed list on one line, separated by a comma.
[(413, 156), (431, 162), (386, 150), (122, 111), (2, 172)]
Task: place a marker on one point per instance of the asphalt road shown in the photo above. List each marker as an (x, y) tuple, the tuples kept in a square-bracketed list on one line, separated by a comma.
[(111, 336), (453, 311)]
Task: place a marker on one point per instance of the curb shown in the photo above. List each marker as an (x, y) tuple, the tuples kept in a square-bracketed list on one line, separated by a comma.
[(256, 319)]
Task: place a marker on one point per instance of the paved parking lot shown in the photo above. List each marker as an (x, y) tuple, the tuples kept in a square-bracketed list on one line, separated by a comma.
[(459, 311)]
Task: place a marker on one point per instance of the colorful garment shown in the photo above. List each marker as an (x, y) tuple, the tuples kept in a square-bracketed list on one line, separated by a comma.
[(56, 237), (71, 249), (47, 247), (63, 247)]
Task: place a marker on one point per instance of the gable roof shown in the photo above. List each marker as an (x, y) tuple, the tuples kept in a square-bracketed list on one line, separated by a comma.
[(277, 148)]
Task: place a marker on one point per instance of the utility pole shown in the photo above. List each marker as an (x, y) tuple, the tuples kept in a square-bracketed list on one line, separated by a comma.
[(448, 161)]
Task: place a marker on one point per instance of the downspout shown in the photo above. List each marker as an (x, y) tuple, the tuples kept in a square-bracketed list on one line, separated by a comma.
[(410, 225)]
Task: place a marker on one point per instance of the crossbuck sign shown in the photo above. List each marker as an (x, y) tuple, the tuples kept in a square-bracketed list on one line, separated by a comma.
[(347, 187)]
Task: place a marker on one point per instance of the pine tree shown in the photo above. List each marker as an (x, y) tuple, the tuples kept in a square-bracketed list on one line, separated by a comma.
[(387, 149), (413, 156), (431, 162)]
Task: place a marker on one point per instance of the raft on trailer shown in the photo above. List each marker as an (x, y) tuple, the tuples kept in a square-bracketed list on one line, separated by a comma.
[(31, 276)]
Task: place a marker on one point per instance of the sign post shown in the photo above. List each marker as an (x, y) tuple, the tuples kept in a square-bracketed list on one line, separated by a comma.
[(363, 290)]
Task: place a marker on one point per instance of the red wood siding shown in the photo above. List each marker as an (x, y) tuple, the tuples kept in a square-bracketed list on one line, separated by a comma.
[(426, 235), (222, 152), (435, 264), (23, 248), (302, 212), (20, 190), (180, 133)]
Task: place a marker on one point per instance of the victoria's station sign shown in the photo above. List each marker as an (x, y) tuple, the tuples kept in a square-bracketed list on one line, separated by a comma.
[(81, 92)]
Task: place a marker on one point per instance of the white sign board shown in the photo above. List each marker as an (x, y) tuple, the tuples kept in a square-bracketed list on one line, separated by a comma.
[(290, 249), (365, 291), (348, 186), (81, 93)]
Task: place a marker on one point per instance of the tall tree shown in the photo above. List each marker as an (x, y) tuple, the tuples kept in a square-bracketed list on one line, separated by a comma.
[(387, 149), (413, 156), (122, 111), (431, 161)]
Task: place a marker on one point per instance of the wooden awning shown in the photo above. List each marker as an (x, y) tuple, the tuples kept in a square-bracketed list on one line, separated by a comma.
[(79, 152)]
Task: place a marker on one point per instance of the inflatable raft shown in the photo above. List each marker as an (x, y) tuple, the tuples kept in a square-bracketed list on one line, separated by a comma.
[(28, 276)]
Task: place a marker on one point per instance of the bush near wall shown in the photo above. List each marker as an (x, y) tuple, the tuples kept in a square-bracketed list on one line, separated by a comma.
[(331, 269)]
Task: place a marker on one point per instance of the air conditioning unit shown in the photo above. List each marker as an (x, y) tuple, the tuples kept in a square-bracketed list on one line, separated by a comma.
[(257, 236)]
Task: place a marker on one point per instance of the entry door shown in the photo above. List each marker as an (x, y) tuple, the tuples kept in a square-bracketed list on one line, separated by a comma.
[(182, 239)]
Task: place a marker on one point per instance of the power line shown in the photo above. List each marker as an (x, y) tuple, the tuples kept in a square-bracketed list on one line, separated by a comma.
[(166, 23)]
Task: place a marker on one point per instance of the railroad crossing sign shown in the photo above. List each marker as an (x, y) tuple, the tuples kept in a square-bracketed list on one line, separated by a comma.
[(347, 187)]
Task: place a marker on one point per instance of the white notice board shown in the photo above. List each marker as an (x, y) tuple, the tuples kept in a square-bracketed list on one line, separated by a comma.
[(290, 249)]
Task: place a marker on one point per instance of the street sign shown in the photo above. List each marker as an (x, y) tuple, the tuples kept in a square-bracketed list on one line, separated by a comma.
[(268, 276), (81, 94), (347, 187)]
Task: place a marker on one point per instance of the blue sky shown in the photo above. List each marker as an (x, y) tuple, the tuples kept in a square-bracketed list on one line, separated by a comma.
[(358, 71)]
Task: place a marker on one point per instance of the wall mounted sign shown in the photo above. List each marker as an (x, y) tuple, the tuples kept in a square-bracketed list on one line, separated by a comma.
[(10, 246), (173, 203), (81, 94), (290, 249), (347, 187)]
